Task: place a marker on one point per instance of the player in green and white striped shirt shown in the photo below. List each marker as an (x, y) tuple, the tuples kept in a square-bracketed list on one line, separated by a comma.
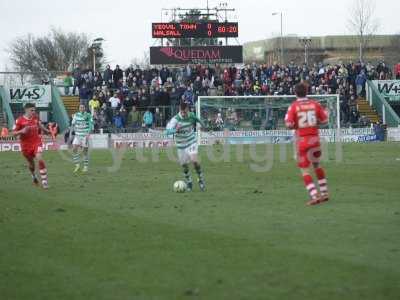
[(182, 127), (82, 124)]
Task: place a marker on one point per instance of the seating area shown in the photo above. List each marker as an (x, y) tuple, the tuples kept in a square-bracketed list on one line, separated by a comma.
[(112, 94)]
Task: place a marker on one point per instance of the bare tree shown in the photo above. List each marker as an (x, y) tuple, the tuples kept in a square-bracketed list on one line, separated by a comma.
[(22, 53), (57, 51), (363, 23), (143, 61)]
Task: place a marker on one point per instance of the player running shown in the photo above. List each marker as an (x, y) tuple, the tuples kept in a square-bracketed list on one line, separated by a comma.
[(82, 125), (28, 128), (305, 116), (182, 126)]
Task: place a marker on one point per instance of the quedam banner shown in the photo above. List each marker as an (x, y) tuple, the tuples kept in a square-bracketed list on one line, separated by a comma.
[(195, 55)]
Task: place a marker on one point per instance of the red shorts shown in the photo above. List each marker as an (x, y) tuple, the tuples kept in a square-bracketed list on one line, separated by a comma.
[(308, 151), (31, 151)]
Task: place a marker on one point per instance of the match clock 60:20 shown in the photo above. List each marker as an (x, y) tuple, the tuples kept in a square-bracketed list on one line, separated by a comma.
[(195, 30)]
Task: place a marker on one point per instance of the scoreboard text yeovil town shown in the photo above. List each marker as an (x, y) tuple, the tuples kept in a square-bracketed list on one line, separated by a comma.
[(195, 30)]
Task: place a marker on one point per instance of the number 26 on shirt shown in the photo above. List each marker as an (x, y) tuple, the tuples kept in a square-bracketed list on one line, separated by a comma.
[(307, 119)]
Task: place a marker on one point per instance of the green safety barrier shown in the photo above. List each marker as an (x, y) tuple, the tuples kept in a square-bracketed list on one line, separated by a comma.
[(60, 114), (5, 107), (385, 111)]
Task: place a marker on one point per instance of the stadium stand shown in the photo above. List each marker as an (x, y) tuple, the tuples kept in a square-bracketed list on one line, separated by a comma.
[(159, 90)]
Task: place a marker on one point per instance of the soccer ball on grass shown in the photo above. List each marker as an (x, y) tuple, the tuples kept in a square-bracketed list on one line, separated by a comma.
[(180, 186)]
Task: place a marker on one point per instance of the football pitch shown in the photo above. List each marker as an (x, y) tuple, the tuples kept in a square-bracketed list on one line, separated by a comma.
[(121, 233)]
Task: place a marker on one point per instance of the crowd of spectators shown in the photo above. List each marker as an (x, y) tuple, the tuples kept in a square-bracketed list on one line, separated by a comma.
[(137, 98)]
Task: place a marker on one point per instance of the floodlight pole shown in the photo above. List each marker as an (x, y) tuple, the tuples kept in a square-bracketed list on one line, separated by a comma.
[(306, 42), (96, 43), (281, 14), (94, 60), (93, 48)]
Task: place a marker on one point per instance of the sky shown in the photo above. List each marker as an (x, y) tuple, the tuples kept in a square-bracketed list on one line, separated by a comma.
[(126, 24)]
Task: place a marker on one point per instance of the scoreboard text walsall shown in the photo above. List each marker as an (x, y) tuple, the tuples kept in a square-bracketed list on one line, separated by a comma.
[(195, 30)]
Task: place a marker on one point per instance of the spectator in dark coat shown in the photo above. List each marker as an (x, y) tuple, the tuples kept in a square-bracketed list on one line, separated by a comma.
[(197, 87), (158, 118), (165, 99), (108, 74), (117, 75), (129, 70), (98, 79), (77, 75), (164, 74), (84, 95)]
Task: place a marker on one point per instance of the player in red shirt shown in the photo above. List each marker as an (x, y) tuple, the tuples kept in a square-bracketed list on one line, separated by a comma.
[(28, 128), (304, 116)]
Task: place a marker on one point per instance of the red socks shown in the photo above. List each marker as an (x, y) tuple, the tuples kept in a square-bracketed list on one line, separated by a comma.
[(322, 182), (310, 186), (43, 172)]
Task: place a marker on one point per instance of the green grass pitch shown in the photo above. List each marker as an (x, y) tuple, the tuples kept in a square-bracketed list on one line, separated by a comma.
[(126, 235)]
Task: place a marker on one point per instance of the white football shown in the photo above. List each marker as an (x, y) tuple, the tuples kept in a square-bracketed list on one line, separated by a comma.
[(179, 186)]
